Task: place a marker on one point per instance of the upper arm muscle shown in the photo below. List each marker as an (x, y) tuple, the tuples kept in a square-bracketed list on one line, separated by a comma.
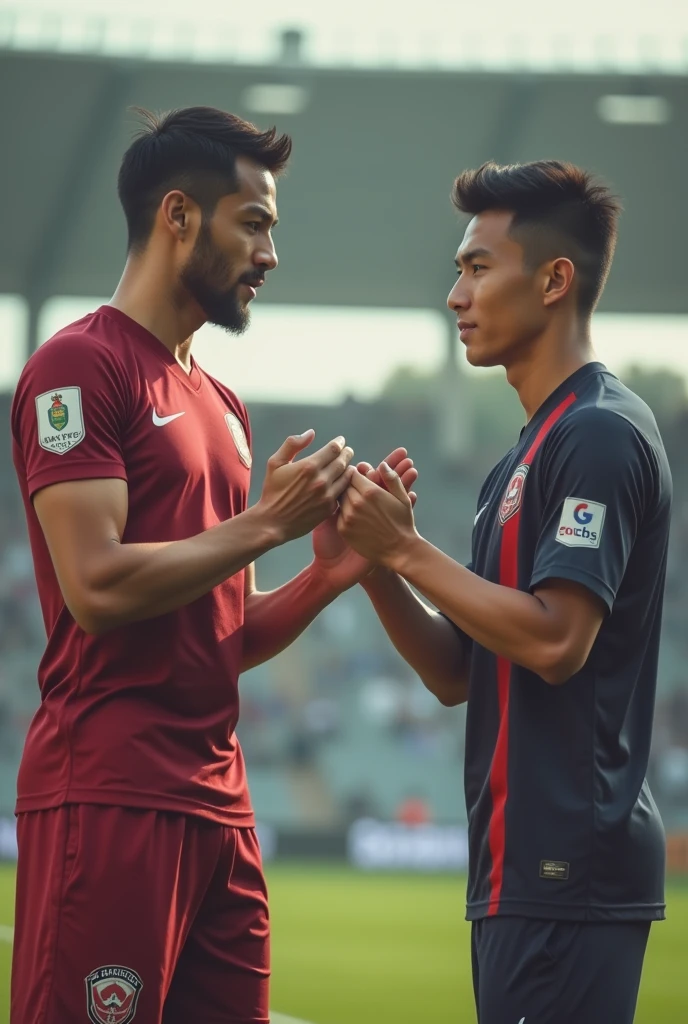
[(80, 520), (577, 615)]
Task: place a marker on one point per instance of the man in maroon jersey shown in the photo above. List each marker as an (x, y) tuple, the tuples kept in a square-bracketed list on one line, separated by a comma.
[(139, 891)]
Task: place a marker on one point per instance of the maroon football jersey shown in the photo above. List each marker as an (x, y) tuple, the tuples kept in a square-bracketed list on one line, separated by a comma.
[(143, 715)]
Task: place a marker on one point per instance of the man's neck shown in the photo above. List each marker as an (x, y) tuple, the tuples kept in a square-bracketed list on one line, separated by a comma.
[(144, 296), (547, 365)]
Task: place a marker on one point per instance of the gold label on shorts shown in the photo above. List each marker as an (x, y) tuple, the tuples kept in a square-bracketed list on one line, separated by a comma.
[(554, 869)]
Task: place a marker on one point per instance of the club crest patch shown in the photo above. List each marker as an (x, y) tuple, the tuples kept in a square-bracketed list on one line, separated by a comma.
[(513, 497), (60, 419), (112, 994), (237, 432)]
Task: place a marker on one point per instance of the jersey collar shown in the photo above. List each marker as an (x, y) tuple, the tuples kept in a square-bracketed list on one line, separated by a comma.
[(191, 380), (566, 388)]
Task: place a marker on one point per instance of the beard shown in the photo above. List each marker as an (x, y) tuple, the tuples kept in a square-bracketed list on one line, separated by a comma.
[(204, 277)]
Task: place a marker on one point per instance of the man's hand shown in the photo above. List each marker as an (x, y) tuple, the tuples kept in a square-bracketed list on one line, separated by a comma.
[(298, 495), (377, 521), (335, 561)]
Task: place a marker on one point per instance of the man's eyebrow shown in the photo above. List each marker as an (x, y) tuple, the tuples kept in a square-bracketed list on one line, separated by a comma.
[(260, 211), (468, 257)]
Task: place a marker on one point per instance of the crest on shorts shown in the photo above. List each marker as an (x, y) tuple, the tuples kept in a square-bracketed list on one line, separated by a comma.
[(237, 431), (513, 498), (112, 994)]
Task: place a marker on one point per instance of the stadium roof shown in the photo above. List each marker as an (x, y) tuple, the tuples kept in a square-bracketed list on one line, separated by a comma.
[(364, 210)]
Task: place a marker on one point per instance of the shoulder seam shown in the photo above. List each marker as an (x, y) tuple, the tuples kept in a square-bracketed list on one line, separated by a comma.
[(604, 412)]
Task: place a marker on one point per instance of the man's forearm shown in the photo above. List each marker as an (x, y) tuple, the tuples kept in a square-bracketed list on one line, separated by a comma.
[(274, 619), (510, 623), (141, 581), (423, 637)]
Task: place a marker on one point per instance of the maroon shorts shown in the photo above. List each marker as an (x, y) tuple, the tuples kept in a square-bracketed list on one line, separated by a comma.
[(134, 915)]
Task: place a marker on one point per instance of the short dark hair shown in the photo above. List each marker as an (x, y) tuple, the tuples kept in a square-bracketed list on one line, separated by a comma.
[(195, 150), (558, 210)]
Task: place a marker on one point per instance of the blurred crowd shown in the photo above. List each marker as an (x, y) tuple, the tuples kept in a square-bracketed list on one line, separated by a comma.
[(337, 727)]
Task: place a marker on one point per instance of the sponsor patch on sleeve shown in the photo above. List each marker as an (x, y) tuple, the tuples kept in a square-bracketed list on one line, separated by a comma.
[(60, 419), (581, 523)]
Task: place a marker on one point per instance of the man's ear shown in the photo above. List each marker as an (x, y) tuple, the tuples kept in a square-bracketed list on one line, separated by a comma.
[(178, 213), (557, 280)]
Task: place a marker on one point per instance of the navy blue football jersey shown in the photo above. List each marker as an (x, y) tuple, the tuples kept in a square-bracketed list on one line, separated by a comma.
[(562, 823)]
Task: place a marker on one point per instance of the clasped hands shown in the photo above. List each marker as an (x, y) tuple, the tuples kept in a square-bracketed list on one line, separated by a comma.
[(359, 517), (376, 510)]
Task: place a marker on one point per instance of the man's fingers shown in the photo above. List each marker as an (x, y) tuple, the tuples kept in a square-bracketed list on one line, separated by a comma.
[(328, 453), (392, 482), (360, 483), (398, 461), (344, 509), (406, 471), (409, 478), (291, 448), (403, 466), (343, 481), (339, 466), (395, 457), (413, 498)]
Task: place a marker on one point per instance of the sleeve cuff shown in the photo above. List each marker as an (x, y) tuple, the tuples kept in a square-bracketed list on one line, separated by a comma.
[(75, 471), (586, 579)]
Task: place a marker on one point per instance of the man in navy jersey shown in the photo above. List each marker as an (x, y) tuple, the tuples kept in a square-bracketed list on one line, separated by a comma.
[(552, 633), (140, 894)]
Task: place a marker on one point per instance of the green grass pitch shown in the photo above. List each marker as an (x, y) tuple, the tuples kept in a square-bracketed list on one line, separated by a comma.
[(350, 948)]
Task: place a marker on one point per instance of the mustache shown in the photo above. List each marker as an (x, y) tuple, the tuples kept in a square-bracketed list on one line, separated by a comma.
[(252, 279)]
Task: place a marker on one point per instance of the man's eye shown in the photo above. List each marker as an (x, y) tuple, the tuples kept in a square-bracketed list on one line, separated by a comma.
[(253, 225), (474, 267)]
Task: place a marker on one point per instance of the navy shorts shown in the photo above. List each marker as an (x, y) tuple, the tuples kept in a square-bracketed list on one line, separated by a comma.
[(529, 971)]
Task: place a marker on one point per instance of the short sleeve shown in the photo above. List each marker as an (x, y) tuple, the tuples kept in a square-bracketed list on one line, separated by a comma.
[(599, 477), (68, 413)]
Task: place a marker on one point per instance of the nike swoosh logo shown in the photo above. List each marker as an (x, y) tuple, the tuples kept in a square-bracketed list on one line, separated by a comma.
[(474, 522), (160, 421)]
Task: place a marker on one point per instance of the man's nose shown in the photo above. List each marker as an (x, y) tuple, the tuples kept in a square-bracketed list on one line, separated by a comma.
[(458, 298), (266, 256)]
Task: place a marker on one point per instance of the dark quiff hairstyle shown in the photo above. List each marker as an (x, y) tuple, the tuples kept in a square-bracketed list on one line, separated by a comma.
[(193, 150), (558, 210)]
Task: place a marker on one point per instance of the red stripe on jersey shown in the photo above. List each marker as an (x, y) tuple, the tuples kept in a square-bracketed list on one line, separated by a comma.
[(499, 775)]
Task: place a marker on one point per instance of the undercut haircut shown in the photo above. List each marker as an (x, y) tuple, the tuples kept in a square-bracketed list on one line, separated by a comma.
[(558, 210), (195, 150)]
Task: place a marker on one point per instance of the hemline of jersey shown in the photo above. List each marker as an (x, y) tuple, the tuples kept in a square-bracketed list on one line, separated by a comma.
[(68, 472), (568, 911), (586, 579), (140, 801)]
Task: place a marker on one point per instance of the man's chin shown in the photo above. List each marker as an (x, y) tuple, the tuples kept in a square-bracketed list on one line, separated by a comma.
[(477, 356), (234, 324)]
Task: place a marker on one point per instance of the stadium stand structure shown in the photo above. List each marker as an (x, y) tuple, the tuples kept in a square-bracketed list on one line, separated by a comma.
[(375, 152)]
